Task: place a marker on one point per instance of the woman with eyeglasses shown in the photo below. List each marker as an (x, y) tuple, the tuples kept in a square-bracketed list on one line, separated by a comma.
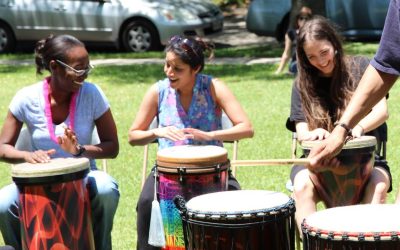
[(188, 105), (289, 52), (60, 112), (324, 85)]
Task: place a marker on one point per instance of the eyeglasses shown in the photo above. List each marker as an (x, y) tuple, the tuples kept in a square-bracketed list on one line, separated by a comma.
[(184, 43), (78, 72)]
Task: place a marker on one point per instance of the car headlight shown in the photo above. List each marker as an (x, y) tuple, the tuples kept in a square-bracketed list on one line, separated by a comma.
[(179, 15)]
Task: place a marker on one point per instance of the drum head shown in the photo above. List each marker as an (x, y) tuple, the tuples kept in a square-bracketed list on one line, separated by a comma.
[(57, 166), (191, 156), (361, 142), (236, 203), (354, 220)]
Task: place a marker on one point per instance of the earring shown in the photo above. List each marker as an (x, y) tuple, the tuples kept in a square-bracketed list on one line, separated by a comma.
[(335, 51)]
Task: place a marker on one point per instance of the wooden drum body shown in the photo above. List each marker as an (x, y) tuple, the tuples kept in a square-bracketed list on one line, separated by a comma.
[(357, 227), (345, 184), (241, 219), (187, 171), (54, 204)]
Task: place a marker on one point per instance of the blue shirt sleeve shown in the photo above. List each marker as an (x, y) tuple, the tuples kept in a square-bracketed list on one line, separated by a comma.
[(387, 58)]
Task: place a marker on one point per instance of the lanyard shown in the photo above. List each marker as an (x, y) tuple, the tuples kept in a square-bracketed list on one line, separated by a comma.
[(47, 109)]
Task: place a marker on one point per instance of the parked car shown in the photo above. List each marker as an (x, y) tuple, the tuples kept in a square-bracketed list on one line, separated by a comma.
[(132, 25), (357, 19)]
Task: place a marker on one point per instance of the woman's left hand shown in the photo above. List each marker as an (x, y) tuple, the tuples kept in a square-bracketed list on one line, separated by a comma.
[(357, 131), (68, 142), (197, 134)]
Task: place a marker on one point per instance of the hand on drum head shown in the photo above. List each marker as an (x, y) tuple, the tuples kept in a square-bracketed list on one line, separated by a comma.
[(171, 133), (316, 134), (327, 149), (197, 134), (68, 141), (39, 156)]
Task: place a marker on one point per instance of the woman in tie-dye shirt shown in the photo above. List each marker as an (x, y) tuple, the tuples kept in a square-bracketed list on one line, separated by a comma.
[(188, 106)]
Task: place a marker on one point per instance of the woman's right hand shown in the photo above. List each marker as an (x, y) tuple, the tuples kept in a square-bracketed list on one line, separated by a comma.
[(171, 133), (39, 156), (316, 134)]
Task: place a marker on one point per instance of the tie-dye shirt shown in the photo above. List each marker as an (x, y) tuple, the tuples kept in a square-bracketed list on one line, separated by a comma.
[(203, 113)]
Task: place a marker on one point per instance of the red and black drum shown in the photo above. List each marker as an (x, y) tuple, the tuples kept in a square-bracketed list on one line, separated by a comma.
[(241, 219), (344, 184), (357, 227), (187, 171), (54, 204)]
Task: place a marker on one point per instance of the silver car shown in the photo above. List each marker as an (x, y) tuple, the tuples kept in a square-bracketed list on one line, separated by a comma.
[(357, 19), (132, 25)]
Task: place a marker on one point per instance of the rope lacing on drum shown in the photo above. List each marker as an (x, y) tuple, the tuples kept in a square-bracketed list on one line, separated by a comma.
[(218, 170), (394, 236), (377, 237), (331, 235), (181, 171), (361, 237), (318, 233)]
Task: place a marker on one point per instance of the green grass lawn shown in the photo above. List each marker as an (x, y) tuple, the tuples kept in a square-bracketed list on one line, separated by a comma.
[(265, 97)]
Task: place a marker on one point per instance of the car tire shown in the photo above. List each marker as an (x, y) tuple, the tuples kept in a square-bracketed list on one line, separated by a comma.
[(139, 36), (7, 40)]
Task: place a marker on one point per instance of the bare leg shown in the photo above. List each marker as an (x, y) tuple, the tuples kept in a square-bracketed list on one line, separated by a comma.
[(304, 195), (376, 190)]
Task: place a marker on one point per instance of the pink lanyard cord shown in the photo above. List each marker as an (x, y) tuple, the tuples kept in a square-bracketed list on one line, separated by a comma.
[(47, 109)]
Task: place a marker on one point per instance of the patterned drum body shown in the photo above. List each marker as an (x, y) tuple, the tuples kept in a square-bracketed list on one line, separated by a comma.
[(187, 171), (357, 227), (54, 204), (242, 219), (344, 185)]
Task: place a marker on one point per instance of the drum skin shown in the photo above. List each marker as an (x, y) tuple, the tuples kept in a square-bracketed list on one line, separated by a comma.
[(344, 185), (54, 204), (357, 227), (187, 171), (241, 219)]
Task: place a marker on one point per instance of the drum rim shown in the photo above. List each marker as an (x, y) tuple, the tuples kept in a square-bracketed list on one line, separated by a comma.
[(169, 160), (251, 213), (369, 141), (355, 235), (39, 171)]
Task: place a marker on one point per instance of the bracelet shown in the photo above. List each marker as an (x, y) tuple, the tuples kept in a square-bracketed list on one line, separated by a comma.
[(343, 125), (81, 149)]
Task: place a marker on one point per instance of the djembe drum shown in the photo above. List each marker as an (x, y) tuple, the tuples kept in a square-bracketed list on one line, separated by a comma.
[(357, 227), (187, 171), (241, 219), (54, 204), (344, 184)]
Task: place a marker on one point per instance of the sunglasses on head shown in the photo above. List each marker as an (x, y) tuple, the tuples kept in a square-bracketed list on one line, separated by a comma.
[(184, 43)]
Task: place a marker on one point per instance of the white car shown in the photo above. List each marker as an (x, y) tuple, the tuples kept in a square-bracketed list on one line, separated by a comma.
[(132, 25)]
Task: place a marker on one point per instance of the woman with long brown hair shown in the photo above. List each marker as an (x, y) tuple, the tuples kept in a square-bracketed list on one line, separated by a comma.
[(325, 83)]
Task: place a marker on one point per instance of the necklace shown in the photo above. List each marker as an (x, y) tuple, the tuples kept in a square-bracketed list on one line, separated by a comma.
[(47, 109)]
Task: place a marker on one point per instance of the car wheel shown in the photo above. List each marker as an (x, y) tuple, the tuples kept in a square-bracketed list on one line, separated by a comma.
[(139, 36), (7, 41)]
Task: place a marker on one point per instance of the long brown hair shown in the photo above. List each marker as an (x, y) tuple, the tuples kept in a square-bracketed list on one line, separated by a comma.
[(342, 84)]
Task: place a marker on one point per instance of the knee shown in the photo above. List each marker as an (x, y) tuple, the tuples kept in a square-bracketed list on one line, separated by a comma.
[(104, 187), (9, 196), (302, 186)]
